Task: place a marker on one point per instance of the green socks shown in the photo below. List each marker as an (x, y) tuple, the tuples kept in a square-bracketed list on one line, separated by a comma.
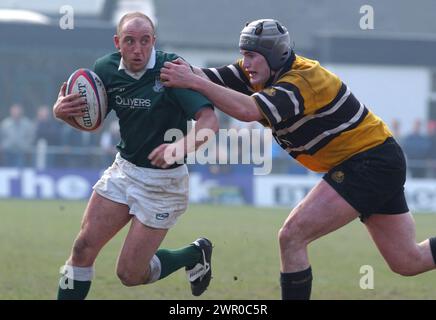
[(172, 260), (75, 282), (77, 291)]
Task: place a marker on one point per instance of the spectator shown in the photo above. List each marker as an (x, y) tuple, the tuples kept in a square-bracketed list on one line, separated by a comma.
[(396, 130), (416, 146), (108, 141), (17, 134), (432, 149), (79, 147), (281, 163), (47, 130)]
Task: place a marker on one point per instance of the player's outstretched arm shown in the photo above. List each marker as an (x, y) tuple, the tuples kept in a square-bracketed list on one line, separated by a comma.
[(168, 153), (199, 72), (178, 74), (67, 106)]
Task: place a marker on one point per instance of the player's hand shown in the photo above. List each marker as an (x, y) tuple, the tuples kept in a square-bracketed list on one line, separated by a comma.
[(67, 106), (177, 73), (165, 155)]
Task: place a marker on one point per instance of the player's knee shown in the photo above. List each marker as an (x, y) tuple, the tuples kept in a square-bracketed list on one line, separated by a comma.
[(408, 263), (284, 236), (129, 279), (290, 236), (403, 270)]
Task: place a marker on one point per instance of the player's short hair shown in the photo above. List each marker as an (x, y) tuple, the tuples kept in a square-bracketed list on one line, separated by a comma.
[(133, 15)]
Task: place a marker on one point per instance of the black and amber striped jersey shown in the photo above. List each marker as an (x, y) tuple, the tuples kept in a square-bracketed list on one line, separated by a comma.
[(312, 113)]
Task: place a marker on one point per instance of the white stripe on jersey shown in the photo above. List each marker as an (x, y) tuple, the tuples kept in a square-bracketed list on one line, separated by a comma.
[(270, 106), (293, 98), (236, 73), (327, 133), (215, 72), (302, 121)]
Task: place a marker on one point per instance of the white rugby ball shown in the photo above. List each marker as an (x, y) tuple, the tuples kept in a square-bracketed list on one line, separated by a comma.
[(89, 85)]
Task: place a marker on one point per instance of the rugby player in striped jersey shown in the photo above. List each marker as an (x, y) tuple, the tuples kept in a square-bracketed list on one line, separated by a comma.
[(316, 118)]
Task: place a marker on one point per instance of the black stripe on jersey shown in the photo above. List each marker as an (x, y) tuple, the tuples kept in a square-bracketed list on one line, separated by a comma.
[(212, 77), (296, 91), (233, 81), (331, 122), (280, 102), (291, 121), (327, 140), (270, 118), (288, 122), (316, 126), (241, 85), (341, 92), (281, 142)]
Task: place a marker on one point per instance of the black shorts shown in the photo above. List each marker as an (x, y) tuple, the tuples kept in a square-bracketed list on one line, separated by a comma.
[(372, 181)]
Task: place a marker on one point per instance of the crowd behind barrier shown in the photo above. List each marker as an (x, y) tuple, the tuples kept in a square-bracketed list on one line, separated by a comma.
[(42, 142)]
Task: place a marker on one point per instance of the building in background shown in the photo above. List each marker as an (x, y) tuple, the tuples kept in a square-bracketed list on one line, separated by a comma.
[(391, 68)]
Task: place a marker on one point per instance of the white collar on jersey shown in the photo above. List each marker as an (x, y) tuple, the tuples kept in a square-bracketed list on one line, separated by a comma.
[(139, 74)]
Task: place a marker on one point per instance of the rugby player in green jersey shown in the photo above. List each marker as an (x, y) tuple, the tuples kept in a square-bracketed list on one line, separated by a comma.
[(315, 117), (141, 187)]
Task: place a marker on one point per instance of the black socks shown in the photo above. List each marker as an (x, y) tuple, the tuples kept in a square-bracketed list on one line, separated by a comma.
[(296, 285), (433, 248)]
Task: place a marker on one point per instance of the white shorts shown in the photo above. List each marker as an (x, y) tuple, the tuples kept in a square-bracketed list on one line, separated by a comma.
[(156, 197)]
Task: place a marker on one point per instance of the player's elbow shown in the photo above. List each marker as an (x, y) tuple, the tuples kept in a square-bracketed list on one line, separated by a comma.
[(207, 118), (214, 125)]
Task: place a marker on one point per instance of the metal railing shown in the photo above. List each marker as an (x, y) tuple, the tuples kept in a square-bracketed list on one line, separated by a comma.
[(44, 156)]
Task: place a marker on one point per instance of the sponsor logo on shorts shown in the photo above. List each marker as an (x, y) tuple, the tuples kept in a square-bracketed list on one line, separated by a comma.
[(162, 216), (338, 176)]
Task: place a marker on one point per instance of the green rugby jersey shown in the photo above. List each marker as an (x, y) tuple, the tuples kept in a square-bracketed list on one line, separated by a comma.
[(145, 108)]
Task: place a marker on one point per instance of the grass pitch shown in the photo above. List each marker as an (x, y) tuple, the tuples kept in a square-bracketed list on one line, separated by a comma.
[(36, 238)]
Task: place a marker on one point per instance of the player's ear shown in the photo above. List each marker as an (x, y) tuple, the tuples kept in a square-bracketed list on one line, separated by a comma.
[(117, 41), (153, 40)]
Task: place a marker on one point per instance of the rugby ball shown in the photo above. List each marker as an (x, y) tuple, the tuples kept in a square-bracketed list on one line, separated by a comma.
[(89, 85)]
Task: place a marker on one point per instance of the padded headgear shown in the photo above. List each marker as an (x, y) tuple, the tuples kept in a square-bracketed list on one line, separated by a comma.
[(269, 38)]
